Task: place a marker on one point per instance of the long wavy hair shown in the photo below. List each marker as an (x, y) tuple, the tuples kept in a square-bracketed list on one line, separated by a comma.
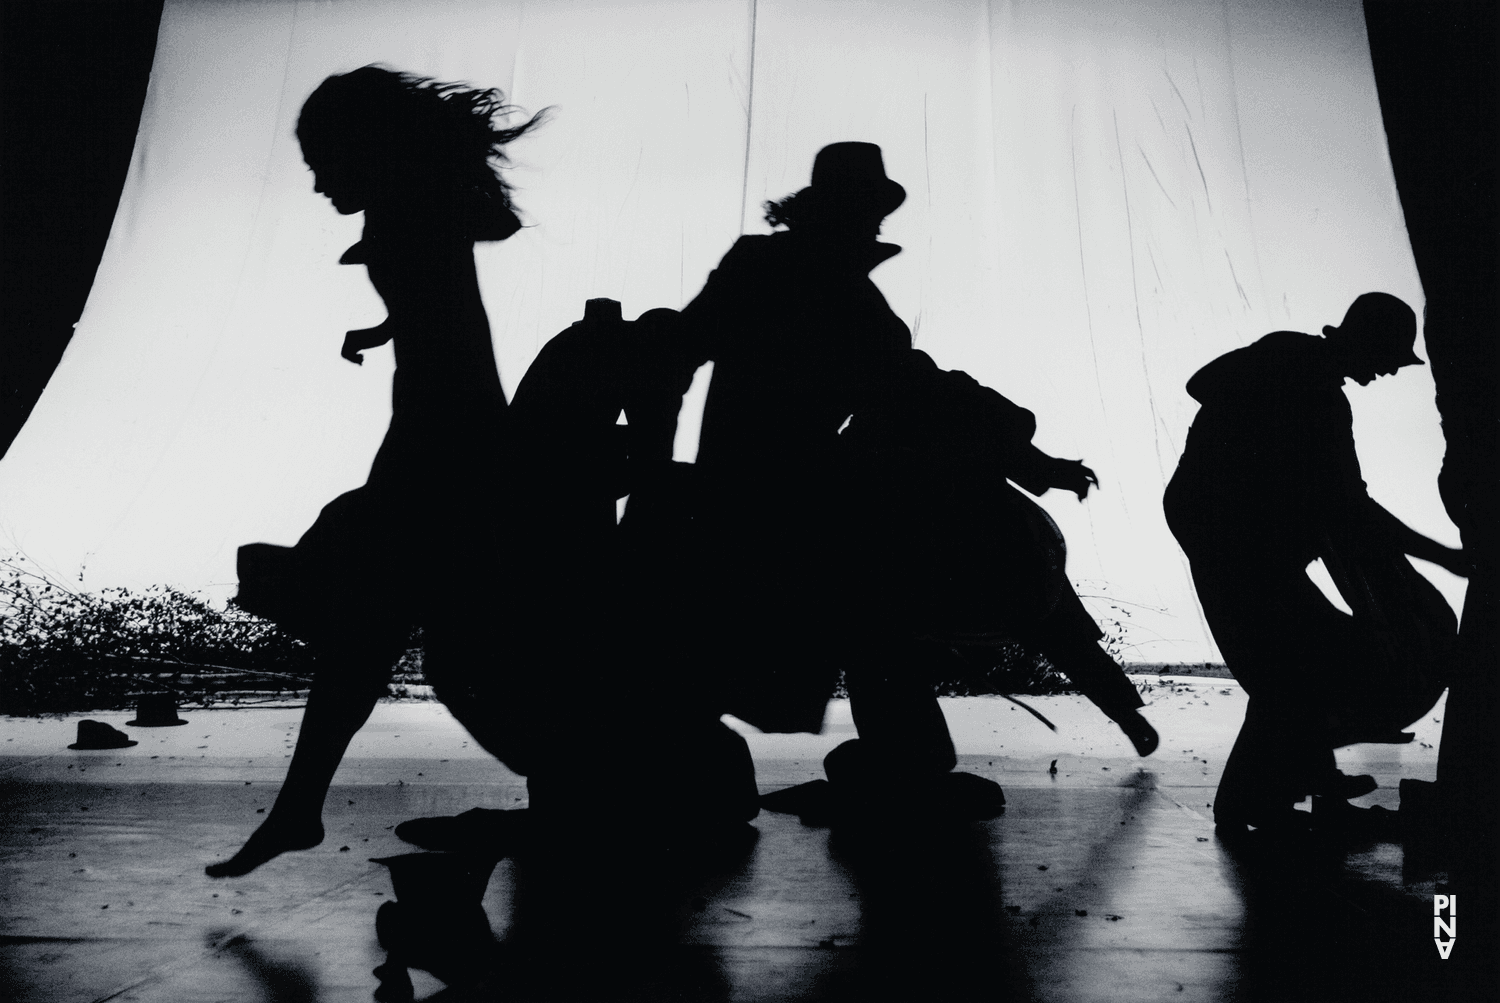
[(812, 207), (432, 141), (790, 211)]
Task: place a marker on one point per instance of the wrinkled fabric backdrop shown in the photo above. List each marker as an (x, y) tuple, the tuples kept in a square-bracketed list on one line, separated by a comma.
[(1101, 199)]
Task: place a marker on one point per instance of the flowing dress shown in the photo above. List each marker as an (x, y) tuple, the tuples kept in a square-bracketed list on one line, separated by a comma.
[(413, 543)]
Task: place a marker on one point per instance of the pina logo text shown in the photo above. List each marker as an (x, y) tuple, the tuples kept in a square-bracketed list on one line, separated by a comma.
[(1444, 927)]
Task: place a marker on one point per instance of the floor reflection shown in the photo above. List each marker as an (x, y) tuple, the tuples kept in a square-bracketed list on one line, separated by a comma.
[(589, 921), (278, 979), (932, 922), (1317, 928), (1108, 885)]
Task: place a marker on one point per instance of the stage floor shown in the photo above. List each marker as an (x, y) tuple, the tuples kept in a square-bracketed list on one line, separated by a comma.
[(1103, 881)]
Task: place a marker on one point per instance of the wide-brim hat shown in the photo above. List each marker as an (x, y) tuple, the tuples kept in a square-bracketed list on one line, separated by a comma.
[(853, 174), (96, 735), (156, 711), (438, 880), (1382, 321)]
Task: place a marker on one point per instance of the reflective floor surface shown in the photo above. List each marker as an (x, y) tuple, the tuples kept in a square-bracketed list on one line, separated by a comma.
[(1102, 881)]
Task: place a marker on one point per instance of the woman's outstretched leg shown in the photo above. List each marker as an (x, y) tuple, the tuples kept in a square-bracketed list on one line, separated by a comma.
[(342, 697)]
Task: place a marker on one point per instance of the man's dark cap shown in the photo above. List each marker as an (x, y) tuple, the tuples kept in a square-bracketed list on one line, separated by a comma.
[(1381, 320)]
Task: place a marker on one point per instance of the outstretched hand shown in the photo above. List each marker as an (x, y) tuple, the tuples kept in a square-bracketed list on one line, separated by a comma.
[(1072, 475), (366, 337)]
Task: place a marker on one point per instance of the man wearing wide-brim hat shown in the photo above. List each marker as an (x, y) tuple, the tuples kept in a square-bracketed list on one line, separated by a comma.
[(822, 423), (848, 198)]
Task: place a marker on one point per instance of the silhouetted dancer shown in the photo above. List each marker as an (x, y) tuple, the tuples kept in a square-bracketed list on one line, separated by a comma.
[(600, 601), (416, 544), (1268, 483), (801, 574)]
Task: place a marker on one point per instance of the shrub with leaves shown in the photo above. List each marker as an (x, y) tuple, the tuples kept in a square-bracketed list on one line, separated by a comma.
[(968, 670), (1008, 668), (64, 650)]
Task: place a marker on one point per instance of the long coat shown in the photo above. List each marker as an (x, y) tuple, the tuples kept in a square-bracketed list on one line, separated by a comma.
[(845, 481)]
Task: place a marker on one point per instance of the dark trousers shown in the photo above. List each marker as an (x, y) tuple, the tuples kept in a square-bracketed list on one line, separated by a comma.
[(1280, 637)]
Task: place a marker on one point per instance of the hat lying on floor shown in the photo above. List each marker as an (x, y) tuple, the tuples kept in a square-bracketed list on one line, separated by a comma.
[(158, 710), (438, 882), (98, 735)]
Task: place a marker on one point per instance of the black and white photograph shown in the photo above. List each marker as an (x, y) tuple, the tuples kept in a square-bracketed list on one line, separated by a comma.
[(733, 501)]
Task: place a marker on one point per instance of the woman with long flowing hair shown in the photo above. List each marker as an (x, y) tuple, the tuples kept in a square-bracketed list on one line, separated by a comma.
[(421, 160)]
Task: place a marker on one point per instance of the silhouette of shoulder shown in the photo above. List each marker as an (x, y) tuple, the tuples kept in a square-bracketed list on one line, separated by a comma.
[(787, 258), (752, 247), (752, 255), (968, 403), (1277, 366), (1274, 413)]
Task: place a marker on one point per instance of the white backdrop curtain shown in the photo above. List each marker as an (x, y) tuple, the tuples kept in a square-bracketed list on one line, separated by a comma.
[(1101, 198)]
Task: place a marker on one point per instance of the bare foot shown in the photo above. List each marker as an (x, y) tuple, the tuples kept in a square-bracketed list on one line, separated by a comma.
[(272, 839)]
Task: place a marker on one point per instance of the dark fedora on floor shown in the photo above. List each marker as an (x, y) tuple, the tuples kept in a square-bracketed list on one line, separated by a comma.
[(853, 173), (437, 922), (159, 710), (98, 735), (438, 882)]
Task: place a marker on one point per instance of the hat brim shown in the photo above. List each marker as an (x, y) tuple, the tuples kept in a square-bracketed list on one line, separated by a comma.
[(102, 748), (1411, 358), (154, 724)]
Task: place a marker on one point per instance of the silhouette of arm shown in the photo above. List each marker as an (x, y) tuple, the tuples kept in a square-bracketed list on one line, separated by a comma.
[(357, 341), (1414, 543), (1006, 429), (420, 285), (1333, 470), (1043, 472), (1325, 440)]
